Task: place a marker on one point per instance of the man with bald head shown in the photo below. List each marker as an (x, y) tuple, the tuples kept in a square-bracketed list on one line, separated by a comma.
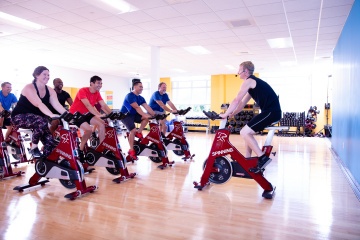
[(63, 97)]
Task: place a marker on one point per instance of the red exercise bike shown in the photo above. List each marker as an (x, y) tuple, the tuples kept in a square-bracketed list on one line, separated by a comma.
[(176, 140), (218, 168), (108, 153), (5, 164), (63, 163), (152, 144)]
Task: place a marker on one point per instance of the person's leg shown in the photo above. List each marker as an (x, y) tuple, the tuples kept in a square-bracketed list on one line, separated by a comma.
[(8, 131), (87, 133), (129, 122), (163, 126), (100, 126), (47, 139), (54, 125), (37, 124), (250, 142), (143, 124)]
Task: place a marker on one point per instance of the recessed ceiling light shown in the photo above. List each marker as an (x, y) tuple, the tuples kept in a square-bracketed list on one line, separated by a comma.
[(121, 5), (178, 70), (288, 64), (231, 67), (197, 50), (20, 21), (280, 42)]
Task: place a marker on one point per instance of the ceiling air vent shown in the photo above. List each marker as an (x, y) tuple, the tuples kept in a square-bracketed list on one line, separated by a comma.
[(177, 1), (240, 23)]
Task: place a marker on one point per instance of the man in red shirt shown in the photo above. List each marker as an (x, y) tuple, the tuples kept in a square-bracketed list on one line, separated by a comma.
[(85, 102)]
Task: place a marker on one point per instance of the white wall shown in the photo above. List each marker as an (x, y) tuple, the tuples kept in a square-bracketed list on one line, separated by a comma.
[(20, 74)]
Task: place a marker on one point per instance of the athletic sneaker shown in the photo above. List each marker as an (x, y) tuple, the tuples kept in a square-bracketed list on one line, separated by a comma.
[(138, 135), (35, 152), (81, 156), (132, 154), (163, 135), (263, 161)]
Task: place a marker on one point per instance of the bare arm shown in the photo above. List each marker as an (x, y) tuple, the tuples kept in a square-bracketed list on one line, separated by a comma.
[(174, 109), (69, 101), (55, 102), (105, 107), (89, 107), (1, 108), (148, 109), (163, 106), (239, 97), (139, 110), (241, 105), (30, 93)]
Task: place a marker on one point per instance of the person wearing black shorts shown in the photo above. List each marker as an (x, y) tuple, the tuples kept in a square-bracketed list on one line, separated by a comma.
[(135, 114), (268, 101)]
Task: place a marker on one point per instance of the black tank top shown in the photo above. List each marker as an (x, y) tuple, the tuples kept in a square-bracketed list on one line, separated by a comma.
[(25, 106), (264, 95)]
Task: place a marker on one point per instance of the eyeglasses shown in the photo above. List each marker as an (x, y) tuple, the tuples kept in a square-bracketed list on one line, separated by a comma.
[(241, 72)]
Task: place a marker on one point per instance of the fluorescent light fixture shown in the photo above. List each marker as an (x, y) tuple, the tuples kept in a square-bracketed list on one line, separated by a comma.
[(133, 56), (20, 21), (178, 70), (288, 64), (280, 42), (231, 67), (197, 50), (121, 5)]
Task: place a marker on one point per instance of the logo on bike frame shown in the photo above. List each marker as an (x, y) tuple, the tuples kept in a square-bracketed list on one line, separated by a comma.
[(109, 134), (65, 138), (221, 137)]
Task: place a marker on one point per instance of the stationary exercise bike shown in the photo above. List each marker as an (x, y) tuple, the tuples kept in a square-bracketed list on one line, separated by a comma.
[(16, 145), (5, 164), (176, 140), (63, 163), (218, 168), (152, 145), (108, 153)]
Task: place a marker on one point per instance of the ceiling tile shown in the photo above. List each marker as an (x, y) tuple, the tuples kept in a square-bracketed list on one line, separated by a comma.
[(41, 7), (192, 7), (217, 5), (266, 9)]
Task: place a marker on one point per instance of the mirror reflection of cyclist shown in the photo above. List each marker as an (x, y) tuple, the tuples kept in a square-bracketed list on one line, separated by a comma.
[(135, 114), (268, 101)]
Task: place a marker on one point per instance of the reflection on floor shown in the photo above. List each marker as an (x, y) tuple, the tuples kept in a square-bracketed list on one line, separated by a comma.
[(313, 200)]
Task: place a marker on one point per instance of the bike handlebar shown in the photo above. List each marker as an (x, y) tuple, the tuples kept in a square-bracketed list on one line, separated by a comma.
[(212, 115), (159, 116), (183, 111)]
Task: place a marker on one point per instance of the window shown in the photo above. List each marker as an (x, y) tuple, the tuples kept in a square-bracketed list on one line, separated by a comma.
[(192, 93)]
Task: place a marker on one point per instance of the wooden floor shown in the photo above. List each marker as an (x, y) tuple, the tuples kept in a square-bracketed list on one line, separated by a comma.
[(313, 200)]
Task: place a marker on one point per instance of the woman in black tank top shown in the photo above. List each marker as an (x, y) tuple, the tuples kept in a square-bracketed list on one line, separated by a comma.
[(32, 111)]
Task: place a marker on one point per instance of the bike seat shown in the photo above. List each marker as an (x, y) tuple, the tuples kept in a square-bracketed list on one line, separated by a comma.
[(273, 127)]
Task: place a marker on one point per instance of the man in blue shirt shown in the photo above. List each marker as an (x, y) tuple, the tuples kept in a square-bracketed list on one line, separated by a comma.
[(135, 114), (7, 101), (158, 102)]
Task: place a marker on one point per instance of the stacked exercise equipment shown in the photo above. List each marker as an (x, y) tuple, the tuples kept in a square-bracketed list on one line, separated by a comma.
[(311, 118), (236, 123), (293, 119)]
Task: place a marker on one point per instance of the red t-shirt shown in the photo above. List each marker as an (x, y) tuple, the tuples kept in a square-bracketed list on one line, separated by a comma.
[(78, 105)]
